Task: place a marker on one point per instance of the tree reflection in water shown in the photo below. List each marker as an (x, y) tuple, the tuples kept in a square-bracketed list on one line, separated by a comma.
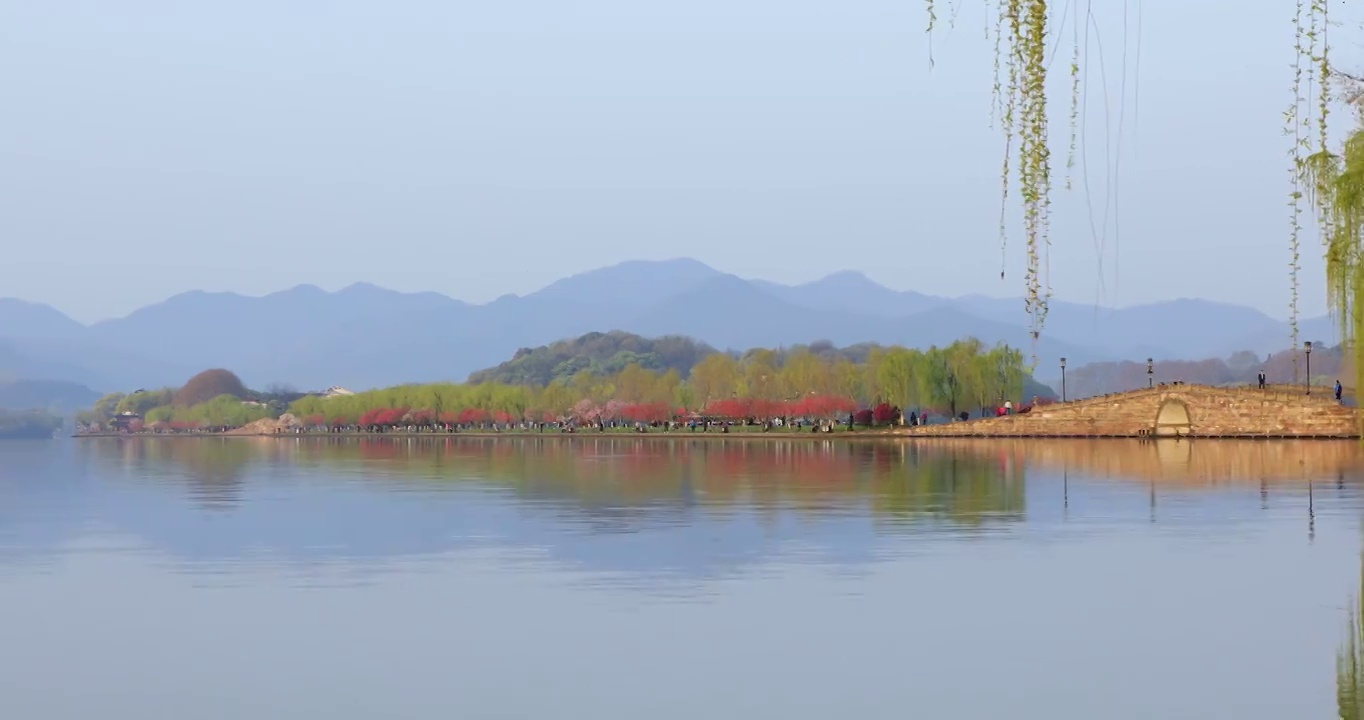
[(1350, 660), (899, 484), (214, 469)]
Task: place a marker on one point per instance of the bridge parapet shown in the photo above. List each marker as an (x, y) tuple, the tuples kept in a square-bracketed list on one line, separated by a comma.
[(1192, 410)]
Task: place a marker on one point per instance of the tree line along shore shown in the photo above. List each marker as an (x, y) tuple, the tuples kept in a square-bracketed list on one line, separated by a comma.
[(760, 391), (29, 424)]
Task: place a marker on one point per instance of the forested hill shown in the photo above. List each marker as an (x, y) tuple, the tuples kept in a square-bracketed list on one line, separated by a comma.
[(53, 395), (606, 355), (598, 353)]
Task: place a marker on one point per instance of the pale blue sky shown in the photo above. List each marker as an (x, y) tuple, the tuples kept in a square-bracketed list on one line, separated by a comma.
[(149, 147)]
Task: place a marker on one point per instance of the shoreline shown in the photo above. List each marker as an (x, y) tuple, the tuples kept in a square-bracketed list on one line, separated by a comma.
[(522, 434), (842, 435)]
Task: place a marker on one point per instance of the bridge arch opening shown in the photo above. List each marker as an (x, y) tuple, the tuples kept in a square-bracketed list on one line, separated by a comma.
[(1173, 419)]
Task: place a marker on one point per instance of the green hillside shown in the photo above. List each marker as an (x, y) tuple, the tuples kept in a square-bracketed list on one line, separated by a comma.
[(598, 353)]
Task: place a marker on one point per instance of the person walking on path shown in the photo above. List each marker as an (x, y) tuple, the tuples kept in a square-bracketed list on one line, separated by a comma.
[(1261, 378), (1339, 390)]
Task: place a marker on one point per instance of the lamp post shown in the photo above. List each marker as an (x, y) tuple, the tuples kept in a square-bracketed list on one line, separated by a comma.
[(1063, 379), (1307, 349), (1150, 368)]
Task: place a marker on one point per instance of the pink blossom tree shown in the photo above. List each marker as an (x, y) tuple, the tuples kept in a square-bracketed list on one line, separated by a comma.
[(587, 411)]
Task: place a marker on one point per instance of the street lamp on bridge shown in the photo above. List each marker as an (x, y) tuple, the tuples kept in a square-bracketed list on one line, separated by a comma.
[(1063, 379), (1150, 368)]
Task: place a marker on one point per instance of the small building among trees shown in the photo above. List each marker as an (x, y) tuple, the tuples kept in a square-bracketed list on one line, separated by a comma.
[(125, 421)]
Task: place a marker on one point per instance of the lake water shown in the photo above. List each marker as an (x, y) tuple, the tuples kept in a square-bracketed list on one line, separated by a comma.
[(639, 578)]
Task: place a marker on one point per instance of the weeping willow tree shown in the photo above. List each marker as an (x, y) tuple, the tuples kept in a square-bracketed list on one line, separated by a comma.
[(1020, 33), (1334, 182), (1324, 182), (1350, 662)]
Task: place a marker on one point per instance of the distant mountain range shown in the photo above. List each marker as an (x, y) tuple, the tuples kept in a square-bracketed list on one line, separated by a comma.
[(56, 396), (365, 336)]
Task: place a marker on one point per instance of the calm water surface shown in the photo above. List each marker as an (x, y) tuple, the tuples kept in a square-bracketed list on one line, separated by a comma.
[(629, 578)]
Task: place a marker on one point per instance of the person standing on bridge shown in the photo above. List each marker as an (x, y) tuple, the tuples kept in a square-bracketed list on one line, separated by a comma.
[(1339, 389), (1261, 378)]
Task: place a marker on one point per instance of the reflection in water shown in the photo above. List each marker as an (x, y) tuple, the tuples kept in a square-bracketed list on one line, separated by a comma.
[(214, 468), (1311, 513), (443, 576), (706, 506), (685, 509), (612, 477), (1350, 659), (1175, 463)]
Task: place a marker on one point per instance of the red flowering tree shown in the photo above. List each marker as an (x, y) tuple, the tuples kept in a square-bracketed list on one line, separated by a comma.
[(390, 417), (473, 416), (767, 409), (646, 412), (863, 417), (659, 412), (884, 414), (502, 417), (448, 418), (729, 409), (825, 406)]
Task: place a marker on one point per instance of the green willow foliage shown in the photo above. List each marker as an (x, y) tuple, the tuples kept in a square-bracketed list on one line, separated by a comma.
[(1021, 48), (965, 374), (221, 411), (1307, 122), (1020, 34), (158, 406), (1336, 182)]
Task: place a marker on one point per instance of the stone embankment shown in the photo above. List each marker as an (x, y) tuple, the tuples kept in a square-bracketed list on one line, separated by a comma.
[(1173, 410)]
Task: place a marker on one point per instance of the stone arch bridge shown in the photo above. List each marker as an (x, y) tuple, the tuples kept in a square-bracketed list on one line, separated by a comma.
[(1172, 411)]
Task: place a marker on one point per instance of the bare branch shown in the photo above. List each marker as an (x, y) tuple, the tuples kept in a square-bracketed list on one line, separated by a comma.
[(1352, 87)]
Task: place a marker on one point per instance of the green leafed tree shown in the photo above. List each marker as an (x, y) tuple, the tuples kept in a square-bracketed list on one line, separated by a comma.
[(144, 400), (900, 376)]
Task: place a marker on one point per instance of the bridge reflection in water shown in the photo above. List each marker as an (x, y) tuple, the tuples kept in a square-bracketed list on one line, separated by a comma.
[(1177, 462), (970, 485), (627, 469)]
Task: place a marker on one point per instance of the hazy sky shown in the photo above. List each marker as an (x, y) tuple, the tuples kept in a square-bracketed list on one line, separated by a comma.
[(149, 147)]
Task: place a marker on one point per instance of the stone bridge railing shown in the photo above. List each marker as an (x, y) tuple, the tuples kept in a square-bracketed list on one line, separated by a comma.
[(1193, 410)]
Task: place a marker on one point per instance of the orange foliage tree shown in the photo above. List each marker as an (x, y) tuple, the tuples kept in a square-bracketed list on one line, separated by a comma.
[(210, 384)]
